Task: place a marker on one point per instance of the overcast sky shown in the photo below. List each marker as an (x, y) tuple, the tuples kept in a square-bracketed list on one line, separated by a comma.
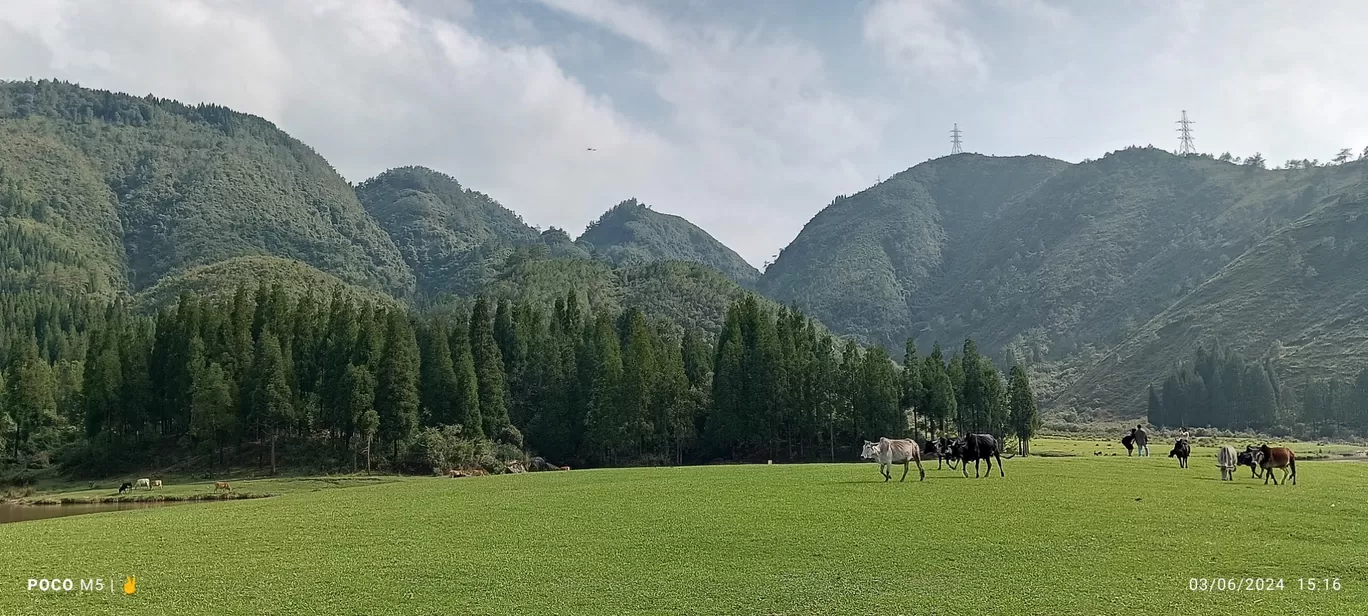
[(746, 117)]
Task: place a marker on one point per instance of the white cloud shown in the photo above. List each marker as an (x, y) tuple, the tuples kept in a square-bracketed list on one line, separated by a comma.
[(922, 39)]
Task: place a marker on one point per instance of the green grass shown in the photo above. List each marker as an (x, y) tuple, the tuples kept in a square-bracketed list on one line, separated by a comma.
[(1080, 535), (184, 489)]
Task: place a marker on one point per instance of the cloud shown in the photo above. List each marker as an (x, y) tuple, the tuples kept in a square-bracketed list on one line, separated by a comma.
[(920, 39)]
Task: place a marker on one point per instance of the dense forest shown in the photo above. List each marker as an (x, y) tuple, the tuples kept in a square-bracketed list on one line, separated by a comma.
[(276, 379), (1222, 389)]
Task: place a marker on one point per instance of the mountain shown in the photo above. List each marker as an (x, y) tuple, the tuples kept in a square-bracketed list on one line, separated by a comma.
[(452, 237), (631, 233), (221, 280), (866, 263), (1066, 265), (686, 294), (128, 190), (1304, 289)]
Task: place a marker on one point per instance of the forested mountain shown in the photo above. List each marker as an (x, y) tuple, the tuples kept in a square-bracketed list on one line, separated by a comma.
[(631, 233), (130, 189), (452, 237), (1056, 264)]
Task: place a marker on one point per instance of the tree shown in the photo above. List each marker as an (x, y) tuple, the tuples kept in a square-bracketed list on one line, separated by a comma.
[(1226, 157), (1256, 161), (32, 398), (1364, 155), (359, 397), (1343, 156), (913, 392), (1024, 420), (440, 393), (396, 385), (489, 370), (466, 403), (211, 412), (271, 400), (1155, 409)]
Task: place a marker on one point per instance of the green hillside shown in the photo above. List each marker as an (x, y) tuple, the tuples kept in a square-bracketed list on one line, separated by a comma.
[(866, 263), (151, 186), (452, 237), (1298, 297), (220, 280), (631, 233), (686, 294), (1056, 264)]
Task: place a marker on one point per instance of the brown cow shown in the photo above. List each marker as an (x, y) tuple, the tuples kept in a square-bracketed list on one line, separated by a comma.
[(1269, 458), (222, 485)]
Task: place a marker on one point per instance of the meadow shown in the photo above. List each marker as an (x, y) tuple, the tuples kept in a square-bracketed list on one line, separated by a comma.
[(1067, 535)]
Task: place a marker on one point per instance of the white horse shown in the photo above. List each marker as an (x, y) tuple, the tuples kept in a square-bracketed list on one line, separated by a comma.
[(888, 452)]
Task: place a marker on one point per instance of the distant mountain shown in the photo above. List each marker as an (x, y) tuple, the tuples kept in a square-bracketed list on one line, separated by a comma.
[(867, 263), (221, 280), (112, 192), (1064, 265), (452, 237), (631, 233)]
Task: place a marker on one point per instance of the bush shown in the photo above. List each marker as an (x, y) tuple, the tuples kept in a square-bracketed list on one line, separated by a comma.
[(446, 448)]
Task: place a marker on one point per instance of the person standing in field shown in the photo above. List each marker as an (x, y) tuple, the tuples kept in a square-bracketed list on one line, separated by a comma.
[(1141, 441)]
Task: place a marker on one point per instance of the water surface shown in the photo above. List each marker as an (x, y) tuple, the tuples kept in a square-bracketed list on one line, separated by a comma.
[(23, 513)]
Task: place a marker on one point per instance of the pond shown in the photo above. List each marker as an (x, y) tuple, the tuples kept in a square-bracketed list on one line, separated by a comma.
[(23, 513)]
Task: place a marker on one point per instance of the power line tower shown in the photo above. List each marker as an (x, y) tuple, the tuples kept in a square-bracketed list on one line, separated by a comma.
[(1185, 135), (955, 145)]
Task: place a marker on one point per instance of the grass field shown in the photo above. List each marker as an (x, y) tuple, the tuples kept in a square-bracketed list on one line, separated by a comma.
[(1076, 535)]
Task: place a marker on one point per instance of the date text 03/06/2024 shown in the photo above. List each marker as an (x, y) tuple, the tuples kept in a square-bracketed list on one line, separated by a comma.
[(1263, 584)]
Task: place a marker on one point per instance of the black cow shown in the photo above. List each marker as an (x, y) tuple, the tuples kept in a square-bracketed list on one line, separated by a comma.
[(1246, 458), (1182, 450), (977, 447), (939, 447), (126, 487)]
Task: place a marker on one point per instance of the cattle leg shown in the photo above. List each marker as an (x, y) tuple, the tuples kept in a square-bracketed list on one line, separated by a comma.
[(989, 462), (920, 470), (976, 468), (1000, 473), (904, 477), (964, 466)]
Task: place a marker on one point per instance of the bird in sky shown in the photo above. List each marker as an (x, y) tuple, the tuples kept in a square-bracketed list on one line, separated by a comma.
[(591, 149)]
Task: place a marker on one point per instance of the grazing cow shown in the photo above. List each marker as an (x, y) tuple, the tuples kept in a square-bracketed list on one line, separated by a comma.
[(1182, 450), (1141, 441), (1128, 441), (939, 447), (1226, 461), (1270, 458), (975, 447), (1246, 458), (144, 483), (156, 483), (565, 468), (222, 485), (455, 472), (888, 452), (126, 487)]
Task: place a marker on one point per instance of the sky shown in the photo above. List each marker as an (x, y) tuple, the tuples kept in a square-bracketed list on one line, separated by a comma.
[(745, 117)]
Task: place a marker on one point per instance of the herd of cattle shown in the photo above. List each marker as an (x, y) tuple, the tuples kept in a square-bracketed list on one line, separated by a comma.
[(1261, 460)]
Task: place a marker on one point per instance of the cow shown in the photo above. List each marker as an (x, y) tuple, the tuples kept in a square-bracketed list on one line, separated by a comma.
[(1128, 441), (455, 472), (1246, 458), (126, 487), (939, 447), (1182, 450), (144, 483), (888, 452), (156, 483), (1141, 441), (1269, 458), (1226, 461), (977, 447), (222, 485)]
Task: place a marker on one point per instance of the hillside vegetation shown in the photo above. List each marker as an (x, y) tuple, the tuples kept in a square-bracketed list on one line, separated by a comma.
[(1058, 264), (631, 233), (150, 186)]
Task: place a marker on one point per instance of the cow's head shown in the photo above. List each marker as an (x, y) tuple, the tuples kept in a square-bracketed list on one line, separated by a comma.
[(1245, 458), (870, 450)]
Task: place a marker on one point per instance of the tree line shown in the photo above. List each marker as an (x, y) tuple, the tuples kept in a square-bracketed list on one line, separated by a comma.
[(1220, 388), (332, 382)]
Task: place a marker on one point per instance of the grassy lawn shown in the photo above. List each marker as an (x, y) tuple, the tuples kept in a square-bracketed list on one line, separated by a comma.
[(1077, 535), (175, 489)]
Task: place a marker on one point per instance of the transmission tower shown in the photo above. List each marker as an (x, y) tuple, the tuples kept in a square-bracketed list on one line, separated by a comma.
[(1185, 135), (955, 145)]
